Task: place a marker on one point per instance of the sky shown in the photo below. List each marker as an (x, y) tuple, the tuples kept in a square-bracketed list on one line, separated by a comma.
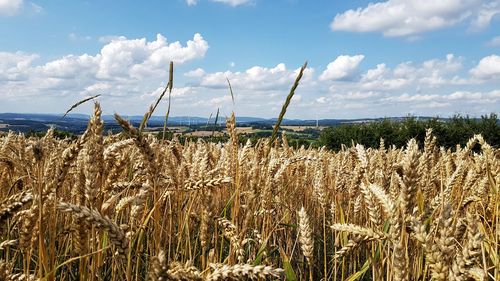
[(365, 58)]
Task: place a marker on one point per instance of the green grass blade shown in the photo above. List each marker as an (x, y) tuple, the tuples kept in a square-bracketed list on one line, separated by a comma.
[(287, 266), (79, 103), (285, 105), (360, 273), (230, 89)]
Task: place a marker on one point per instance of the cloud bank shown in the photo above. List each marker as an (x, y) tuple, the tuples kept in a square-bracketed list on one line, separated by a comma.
[(131, 73), (395, 18)]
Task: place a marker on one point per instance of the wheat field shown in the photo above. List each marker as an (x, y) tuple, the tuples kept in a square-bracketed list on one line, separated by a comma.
[(132, 207)]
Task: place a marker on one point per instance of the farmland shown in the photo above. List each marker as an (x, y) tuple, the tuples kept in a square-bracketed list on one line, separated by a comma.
[(130, 206)]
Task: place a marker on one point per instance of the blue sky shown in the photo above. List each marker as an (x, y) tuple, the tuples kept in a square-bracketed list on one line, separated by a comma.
[(386, 58)]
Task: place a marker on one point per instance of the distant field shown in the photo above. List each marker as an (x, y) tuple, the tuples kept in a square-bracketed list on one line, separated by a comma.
[(240, 130), (302, 128), (204, 134)]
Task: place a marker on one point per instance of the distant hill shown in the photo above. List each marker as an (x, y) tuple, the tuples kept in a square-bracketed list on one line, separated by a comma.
[(77, 123)]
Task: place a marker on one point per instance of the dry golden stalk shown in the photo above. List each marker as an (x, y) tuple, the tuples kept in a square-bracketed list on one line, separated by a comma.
[(93, 159), (8, 243), (184, 272), (410, 177), (383, 198), (373, 209), (440, 253), (229, 230), (366, 233), (470, 254), (140, 142), (207, 183), (305, 235), (13, 204), (4, 271), (433, 212), (161, 271), (242, 271), (159, 268), (116, 235)]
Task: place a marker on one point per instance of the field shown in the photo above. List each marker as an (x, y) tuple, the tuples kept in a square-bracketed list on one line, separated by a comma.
[(302, 128), (133, 207)]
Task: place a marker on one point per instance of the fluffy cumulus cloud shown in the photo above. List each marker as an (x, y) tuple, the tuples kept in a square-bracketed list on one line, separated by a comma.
[(411, 17), (123, 67), (432, 87), (199, 72), (485, 14), (130, 73), (256, 78), (138, 58), (343, 67), (125, 59), (487, 68), (430, 73), (10, 7), (15, 66)]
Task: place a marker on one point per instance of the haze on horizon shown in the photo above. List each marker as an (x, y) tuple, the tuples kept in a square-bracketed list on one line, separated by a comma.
[(366, 59)]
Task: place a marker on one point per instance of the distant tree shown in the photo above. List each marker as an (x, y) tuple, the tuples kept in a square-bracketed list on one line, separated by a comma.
[(449, 132)]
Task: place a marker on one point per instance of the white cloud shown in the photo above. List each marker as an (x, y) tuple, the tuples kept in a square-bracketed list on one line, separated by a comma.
[(413, 98), (98, 87), (219, 101), (233, 3), (297, 98), (15, 66), (123, 68), (410, 17), (322, 100), (75, 37), (176, 92), (487, 68), (343, 67), (256, 78), (357, 95), (140, 58), (10, 7), (458, 99), (430, 73), (494, 42), (126, 59), (433, 105), (381, 77), (485, 15), (195, 73), (14, 7), (475, 96), (133, 81), (108, 38), (71, 66)]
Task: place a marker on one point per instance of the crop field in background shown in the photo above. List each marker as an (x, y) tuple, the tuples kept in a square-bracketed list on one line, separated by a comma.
[(130, 206)]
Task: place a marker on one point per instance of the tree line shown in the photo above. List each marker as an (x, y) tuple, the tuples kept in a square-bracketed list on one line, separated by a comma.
[(449, 132)]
